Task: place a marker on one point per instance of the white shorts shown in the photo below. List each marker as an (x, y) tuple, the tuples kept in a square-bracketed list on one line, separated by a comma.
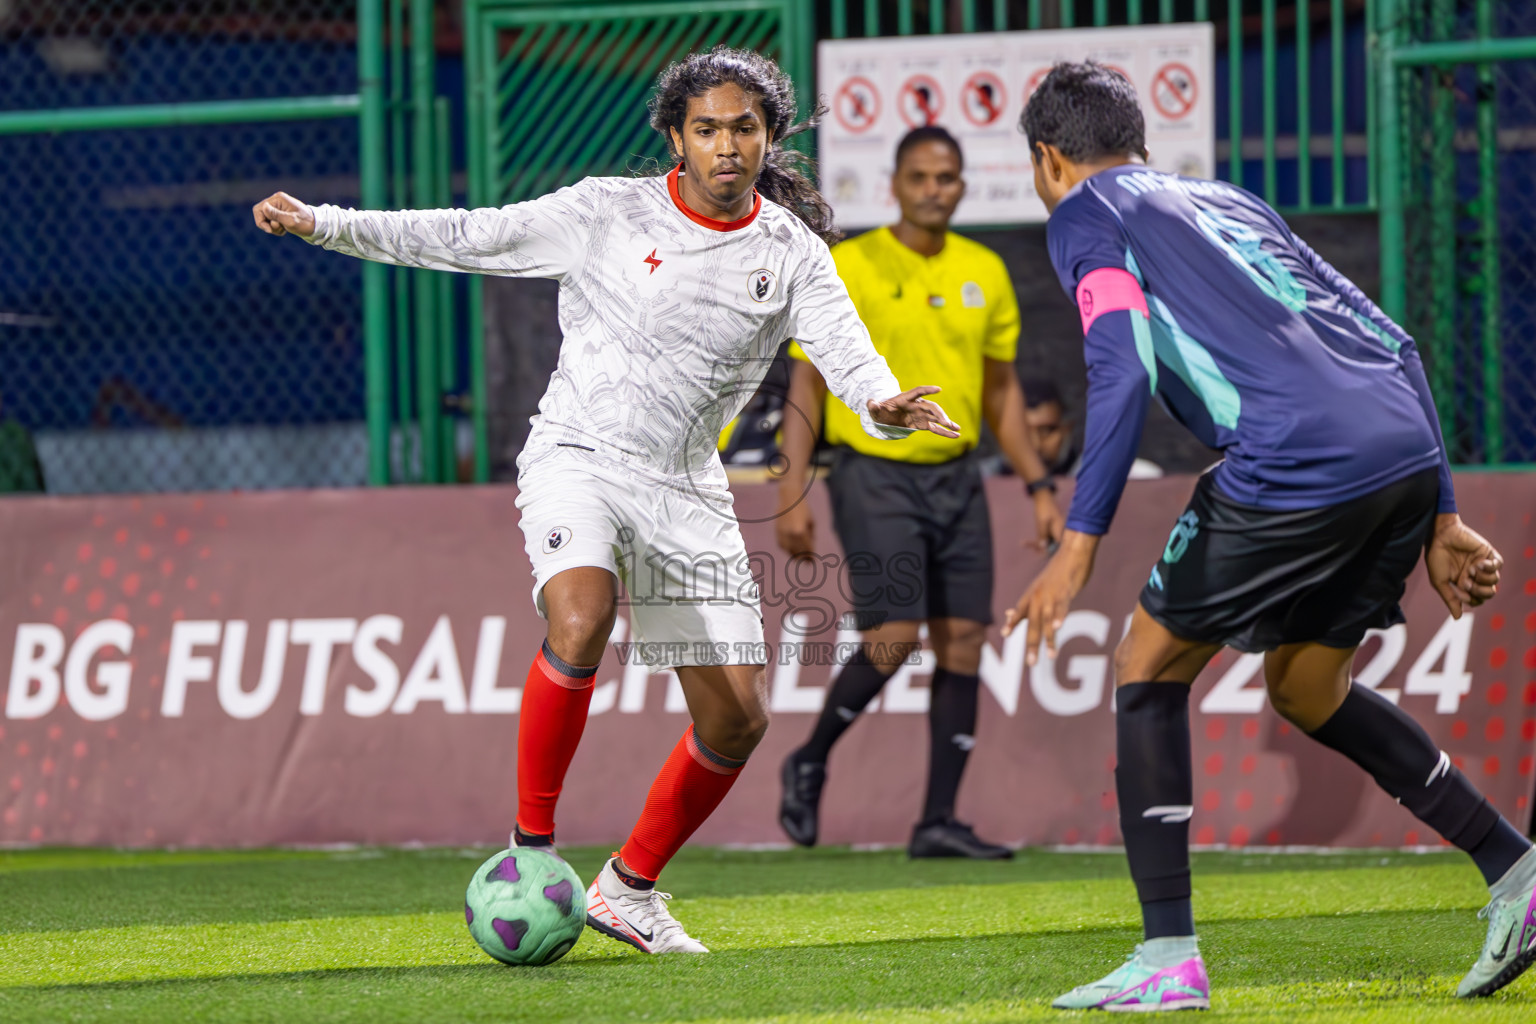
[(691, 596)]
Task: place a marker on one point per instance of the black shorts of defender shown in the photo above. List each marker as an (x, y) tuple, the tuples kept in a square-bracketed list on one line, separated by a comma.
[(917, 539), (1256, 579)]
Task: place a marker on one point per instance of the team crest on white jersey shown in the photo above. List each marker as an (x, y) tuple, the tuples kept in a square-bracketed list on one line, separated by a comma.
[(762, 285), (556, 539)]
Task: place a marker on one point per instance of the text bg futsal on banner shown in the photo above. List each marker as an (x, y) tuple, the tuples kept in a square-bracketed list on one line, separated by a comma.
[(975, 85), (346, 666)]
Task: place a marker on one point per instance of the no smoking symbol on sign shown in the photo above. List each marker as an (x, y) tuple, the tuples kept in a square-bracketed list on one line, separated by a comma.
[(921, 101), (1173, 91), (857, 104), (983, 100)]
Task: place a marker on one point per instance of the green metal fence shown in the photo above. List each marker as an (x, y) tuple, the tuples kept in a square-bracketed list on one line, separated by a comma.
[(147, 341), (1422, 109), (1458, 217)]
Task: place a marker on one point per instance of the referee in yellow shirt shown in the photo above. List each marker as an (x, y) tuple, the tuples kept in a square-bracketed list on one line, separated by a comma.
[(912, 515)]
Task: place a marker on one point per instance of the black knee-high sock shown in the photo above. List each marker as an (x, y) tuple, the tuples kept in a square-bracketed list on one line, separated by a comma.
[(951, 735), (1155, 786), (851, 692), (1384, 740)]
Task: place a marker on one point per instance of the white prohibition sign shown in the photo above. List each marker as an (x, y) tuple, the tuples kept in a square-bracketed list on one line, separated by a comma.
[(1174, 91), (921, 101), (983, 100), (857, 104)]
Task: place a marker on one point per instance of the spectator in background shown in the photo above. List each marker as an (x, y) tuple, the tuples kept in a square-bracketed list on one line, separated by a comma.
[(20, 469), (912, 518), (1054, 432)]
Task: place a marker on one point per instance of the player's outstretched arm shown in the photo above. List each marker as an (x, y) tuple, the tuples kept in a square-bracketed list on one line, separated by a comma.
[(914, 412), (281, 214), (1463, 567), (826, 326), (1120, 380), (542, 237)]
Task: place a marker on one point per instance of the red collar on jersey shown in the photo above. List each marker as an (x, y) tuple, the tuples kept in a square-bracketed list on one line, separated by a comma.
[(710, 222)]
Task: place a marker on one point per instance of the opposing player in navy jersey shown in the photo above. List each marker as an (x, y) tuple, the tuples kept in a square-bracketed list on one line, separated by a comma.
[(1335, 480)]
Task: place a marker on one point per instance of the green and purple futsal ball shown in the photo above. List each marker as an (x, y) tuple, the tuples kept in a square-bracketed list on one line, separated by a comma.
[(526, 907)]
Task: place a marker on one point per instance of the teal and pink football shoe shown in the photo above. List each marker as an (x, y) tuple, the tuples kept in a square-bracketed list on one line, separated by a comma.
[(1510, 946), (1137, 987)]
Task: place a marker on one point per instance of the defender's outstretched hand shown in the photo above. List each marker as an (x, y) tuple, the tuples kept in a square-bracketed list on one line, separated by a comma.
[(281, 214), (1043, 608), (909, 409), (1463, 567)]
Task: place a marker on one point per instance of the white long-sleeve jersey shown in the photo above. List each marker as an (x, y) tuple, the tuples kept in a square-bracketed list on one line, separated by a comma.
[(670, 319)]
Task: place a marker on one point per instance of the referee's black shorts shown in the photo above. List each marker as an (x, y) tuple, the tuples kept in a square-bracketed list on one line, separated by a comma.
[(917, 538), (1256, 579)]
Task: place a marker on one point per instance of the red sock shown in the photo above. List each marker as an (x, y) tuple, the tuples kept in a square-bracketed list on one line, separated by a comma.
[(550, 722), (686, 792)]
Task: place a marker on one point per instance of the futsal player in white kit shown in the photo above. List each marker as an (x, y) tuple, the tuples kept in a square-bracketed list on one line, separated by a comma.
[(676, 291)]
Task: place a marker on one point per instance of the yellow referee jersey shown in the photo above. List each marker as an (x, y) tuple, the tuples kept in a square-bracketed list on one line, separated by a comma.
[(934, 319)]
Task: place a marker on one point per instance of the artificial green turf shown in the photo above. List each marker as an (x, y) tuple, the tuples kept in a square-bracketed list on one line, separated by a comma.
[(824, 936)]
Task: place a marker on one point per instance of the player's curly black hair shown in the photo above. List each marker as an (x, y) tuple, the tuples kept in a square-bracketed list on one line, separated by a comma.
[(784, 177), (1086, 110)]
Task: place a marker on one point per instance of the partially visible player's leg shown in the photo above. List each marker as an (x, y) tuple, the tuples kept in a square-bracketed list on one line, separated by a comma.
[(875, 506), (570, 530), (804, 772), (1154, 784), (729, 706), (1309, 684), (580, 604), (881, 653), (954, 694), (730, 714), (1153, 775), (958, 530), (693, 596)]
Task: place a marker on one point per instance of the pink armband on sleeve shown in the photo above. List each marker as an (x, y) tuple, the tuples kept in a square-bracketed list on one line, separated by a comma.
[(1106, 290)]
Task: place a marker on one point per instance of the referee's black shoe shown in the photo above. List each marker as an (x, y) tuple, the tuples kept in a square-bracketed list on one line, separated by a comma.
[(953, 839), (801, 802)]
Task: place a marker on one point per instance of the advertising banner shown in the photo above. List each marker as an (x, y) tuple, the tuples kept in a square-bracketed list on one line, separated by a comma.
[(346, 666), (975, 85)]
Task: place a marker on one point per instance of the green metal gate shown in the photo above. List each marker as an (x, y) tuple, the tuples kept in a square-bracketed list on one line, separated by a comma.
[(556, 92), (1457, 151)]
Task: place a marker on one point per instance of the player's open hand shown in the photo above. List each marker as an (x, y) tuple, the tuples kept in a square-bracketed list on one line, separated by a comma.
[(1463, 567), (281, 214), (910, 409), (1043, 608)]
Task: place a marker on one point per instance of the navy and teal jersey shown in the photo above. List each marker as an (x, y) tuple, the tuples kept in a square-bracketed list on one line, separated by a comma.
[(1251, 340)]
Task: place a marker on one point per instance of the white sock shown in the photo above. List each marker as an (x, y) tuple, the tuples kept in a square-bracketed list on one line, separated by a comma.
[(1514, 881), (1169, 951)]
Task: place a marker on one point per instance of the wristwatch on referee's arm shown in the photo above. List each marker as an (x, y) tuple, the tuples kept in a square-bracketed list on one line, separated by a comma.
[(1033, 488), (1045, 483)]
